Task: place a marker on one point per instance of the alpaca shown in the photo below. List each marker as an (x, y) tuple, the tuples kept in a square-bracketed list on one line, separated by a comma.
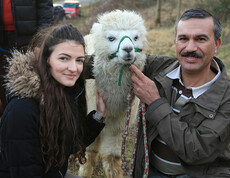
[(117, 40)]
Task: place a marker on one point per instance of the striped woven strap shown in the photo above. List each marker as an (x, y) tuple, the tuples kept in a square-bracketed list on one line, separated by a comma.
[(141, 114)]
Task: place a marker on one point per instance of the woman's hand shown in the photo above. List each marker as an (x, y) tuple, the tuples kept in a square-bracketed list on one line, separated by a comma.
[(101, 108)]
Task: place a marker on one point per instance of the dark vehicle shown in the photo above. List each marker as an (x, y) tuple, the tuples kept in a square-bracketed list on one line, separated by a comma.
[(59, 12), (72, 8)]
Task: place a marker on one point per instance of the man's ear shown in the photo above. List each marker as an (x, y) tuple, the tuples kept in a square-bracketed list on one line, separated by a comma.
[(218, 43)]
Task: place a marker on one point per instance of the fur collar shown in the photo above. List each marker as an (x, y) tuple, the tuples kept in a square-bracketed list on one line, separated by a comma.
[(21, 79)]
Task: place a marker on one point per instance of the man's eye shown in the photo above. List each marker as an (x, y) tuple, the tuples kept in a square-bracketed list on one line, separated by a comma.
[(182, 39), (111, 38), (201, 39)]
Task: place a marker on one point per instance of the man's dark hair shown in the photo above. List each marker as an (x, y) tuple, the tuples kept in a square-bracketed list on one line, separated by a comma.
[(200, 13)]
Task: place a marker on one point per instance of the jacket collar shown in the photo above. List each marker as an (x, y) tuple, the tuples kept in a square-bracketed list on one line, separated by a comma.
[(21, 79), (211, 99), (196, 91)]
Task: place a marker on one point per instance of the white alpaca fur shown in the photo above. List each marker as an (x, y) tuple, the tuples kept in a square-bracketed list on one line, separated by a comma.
[(103, 41)]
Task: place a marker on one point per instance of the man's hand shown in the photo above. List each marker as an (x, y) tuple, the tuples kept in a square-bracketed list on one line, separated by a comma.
[(144, 88)]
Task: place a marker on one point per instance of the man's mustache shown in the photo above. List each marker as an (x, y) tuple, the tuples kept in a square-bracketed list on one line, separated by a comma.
[(191, 54)]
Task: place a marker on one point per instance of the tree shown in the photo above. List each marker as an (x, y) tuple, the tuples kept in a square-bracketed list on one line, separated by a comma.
[(134, 4), (158, 15), (178, 9)]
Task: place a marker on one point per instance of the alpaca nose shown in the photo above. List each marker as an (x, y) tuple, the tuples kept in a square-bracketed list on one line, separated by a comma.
[(128, 49)]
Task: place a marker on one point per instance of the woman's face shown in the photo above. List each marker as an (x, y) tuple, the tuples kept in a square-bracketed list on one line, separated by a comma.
[(66, 62)]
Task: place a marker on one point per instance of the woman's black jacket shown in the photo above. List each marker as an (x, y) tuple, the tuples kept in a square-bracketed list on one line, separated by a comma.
[(20, 150)]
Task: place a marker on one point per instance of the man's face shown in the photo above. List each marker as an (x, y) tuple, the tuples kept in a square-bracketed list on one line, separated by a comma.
[(196, 45)]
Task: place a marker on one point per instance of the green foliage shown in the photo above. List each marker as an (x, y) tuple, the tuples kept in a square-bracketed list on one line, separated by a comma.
[(220, 8), (224, 54)]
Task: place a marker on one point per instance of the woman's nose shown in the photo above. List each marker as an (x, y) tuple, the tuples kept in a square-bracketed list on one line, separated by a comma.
[(72, 66)]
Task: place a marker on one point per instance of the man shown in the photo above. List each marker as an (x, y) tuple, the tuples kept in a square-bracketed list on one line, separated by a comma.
[(19, 21), (188, 104)]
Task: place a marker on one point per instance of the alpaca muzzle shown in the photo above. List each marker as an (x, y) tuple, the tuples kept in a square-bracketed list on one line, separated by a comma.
[(128, 49)]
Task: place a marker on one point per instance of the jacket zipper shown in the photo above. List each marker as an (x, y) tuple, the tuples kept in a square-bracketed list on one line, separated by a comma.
[(60, 173)]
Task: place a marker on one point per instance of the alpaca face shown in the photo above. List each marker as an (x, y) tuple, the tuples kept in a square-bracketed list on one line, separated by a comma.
[(119, 38), (122, 45)]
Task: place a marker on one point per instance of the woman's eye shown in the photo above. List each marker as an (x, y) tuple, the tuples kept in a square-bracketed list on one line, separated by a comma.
[(80, 61), (110, 38), (63, 58), (135, 38)]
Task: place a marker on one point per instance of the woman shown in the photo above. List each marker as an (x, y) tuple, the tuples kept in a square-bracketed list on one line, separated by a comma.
[(46, 120)]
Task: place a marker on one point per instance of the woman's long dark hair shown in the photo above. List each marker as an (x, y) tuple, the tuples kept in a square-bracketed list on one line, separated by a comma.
[(61, 115)]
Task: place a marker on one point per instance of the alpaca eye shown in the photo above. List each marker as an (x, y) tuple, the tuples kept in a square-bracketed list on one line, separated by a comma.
[(111, 38), (135, 38)]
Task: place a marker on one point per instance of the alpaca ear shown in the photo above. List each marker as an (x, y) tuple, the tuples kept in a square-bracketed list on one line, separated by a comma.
[(96, 27)]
